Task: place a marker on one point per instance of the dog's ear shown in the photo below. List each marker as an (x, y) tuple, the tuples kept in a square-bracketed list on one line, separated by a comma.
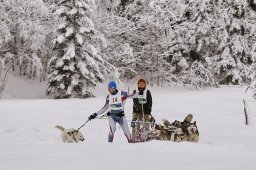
[(194, 122), (174, 123), (184, 124), (157, 127)]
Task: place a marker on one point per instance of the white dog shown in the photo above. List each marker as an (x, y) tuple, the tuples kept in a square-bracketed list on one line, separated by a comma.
[(70, 135)]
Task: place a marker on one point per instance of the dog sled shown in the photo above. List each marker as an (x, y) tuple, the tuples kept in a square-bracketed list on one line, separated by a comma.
[(142, 130)]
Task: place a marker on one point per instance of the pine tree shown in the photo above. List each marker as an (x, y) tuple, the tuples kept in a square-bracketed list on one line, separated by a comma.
[(235, 33), (76, 67)]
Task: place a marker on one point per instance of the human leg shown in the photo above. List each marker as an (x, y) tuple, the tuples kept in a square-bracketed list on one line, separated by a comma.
[(112, 126), (123, 123), (133, 125)]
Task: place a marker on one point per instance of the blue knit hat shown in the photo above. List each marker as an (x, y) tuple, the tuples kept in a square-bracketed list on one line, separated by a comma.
[(112, 85)]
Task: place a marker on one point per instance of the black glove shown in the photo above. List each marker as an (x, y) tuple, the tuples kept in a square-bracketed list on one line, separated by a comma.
[(134, 92), (92, 116)]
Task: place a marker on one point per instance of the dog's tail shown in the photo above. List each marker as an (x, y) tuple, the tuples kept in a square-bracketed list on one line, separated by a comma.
[(166, 123), (60, 127), (188, 118)]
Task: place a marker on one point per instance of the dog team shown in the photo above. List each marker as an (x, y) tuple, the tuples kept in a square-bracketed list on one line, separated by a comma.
[(142, 106), (176, 131)]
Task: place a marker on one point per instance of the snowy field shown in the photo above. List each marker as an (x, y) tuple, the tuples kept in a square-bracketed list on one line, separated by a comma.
[(29, 140)]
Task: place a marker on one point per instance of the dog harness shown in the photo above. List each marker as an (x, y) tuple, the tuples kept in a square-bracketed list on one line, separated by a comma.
[(72, 133)]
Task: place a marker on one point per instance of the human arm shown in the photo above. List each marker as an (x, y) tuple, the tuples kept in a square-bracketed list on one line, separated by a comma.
[(101, 111), (104, 108), (133, 95), (149, 101)]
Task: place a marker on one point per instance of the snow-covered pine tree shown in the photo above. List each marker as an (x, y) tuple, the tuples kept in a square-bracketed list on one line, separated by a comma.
[(252, 75), (75, 69), (192, 41), (235, 31)]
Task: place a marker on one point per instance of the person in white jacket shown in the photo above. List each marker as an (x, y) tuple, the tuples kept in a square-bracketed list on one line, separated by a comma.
[(115, 102)]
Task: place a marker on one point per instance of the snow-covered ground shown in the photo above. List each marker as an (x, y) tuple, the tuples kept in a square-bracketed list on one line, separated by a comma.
[(19, 87), (29, 141)]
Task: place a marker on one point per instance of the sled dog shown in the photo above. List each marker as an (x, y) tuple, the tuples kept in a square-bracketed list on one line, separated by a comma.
[(176, 131), (192, 132), (168, 132), (70, 135)]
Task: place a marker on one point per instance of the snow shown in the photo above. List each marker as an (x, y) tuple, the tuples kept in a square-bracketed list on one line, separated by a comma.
[(62, 25), (78, 4), (79, 39), (88, 22), (22, 88), (62, 86), (85, 29), (70, 88), (83, 68), (92, 49), (30, 141), (72, 11), (69, 31), (60, 11), (59, 63), (74, 82), (90, 61), (71, 52), (60, 39)]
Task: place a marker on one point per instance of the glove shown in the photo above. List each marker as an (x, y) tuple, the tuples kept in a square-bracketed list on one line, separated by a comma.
[(92, 116), (134, 92)]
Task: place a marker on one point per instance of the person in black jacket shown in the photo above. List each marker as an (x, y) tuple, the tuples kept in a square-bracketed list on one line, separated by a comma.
[(142, 106)]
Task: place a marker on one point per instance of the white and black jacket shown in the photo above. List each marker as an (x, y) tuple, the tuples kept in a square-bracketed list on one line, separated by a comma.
[(147, 107)]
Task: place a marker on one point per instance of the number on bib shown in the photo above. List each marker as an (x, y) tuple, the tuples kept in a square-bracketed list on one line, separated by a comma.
[(114, 99)]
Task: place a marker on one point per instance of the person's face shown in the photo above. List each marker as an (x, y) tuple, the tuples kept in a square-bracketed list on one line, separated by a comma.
[(110, 90), (141, 84)]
